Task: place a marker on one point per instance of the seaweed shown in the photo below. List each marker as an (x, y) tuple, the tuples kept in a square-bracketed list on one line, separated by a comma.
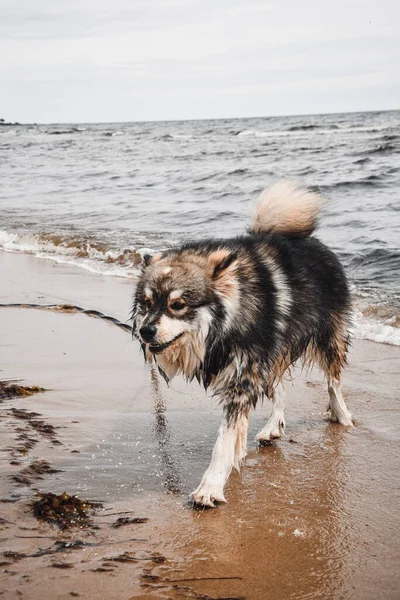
[(61, 565), (126, 557), (128, 520), (10, 389), (22, 413), (37, 424), (131, 557), (146, 577), (14, 555), (64, 510), (31, 425), (33, 471)]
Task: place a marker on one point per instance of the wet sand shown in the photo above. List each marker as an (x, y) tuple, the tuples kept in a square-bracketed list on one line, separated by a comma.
[(316, 515)]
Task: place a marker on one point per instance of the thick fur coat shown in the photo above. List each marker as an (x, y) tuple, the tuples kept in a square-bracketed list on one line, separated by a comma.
[(237, 313)]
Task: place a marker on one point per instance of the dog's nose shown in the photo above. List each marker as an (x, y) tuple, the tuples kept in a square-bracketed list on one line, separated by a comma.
[(148, 332)]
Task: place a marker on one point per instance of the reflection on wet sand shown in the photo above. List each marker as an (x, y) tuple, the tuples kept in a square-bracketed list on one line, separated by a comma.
[(303, 520), (285, 528)]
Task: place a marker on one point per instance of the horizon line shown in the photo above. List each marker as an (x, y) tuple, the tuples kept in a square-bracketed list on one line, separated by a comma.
[(317, 114)]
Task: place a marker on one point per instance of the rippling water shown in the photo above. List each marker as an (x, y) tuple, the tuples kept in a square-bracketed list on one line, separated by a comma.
[(97, 195)]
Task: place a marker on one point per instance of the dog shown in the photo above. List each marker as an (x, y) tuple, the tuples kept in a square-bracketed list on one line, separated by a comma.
[(237, 313)]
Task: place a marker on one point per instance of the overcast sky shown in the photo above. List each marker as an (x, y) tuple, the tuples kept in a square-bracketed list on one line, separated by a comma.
[(128, 60)]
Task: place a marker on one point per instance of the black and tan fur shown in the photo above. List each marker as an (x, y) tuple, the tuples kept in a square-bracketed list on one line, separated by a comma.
[(237, 313)]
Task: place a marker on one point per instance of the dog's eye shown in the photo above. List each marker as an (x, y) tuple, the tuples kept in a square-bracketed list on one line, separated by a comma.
[(147, 304), (178, 306)]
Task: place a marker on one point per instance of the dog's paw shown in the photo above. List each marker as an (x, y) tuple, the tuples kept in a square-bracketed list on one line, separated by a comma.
[(207, 495), (266, 441), (340, 416), (270, 433), (344, 420)]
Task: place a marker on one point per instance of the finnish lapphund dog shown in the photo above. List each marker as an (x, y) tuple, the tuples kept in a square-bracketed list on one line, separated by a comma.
[(237, 313)]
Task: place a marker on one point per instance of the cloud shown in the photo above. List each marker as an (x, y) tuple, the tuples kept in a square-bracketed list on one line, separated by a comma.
[(125, 60)]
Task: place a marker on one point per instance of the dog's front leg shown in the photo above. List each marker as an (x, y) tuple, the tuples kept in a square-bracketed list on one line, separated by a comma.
[(228, 452), (275, 427)]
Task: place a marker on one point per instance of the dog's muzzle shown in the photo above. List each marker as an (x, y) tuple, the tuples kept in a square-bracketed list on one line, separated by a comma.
[(157, 348)]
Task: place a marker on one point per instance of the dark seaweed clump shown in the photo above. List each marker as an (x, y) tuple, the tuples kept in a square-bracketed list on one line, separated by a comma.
[(128, 521), (64, 510), (33, 471), (9, 389)]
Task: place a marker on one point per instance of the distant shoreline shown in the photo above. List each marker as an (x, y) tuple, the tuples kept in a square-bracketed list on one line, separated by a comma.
[(4, 123)]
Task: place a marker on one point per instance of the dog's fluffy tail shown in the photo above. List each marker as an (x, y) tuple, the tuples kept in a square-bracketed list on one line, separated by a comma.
[(287, 209)]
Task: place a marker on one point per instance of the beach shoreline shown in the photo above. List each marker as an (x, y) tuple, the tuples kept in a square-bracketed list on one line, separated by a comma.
[(314, 515)]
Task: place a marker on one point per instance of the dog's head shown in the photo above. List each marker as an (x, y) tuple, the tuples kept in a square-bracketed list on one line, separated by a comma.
[(179, 294)]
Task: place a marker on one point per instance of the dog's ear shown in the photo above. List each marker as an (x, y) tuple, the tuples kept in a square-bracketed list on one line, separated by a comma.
[(150, 259), (220, 262)]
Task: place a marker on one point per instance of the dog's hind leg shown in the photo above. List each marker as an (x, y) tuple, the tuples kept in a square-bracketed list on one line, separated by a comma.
[(337, 407), (332, 360), (228, 452), (275, 426)]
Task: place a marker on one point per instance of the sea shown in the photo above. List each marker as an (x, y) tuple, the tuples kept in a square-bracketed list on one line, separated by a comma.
[(99, 196)]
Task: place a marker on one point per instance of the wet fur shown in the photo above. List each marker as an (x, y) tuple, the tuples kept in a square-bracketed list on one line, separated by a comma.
[(256, 304)]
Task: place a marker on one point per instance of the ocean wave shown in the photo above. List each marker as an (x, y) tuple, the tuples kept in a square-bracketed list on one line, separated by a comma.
[(312, 127), (382, 332), (376, 313), (362, 161), (264, 134), (238, 172), (65, 131), (170, 137), (206, 177), (377, 265), (303, 130), (112, 133), (381, 149), (181, 136), (90, 255), (369, 180), (391, 137)]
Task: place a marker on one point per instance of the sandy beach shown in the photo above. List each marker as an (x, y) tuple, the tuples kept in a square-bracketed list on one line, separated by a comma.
[(315, 515)]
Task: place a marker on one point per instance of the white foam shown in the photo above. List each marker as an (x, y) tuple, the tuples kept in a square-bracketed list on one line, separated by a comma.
[(89, 265), (246, 132), (107, 262), (377, 331), (308, 132), (13, 242), (178, 136), (285, 133)]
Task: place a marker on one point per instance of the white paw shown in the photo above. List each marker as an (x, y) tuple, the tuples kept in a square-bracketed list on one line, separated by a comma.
[(345, 420), (208, 495), (342, 417), (271, 432)]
